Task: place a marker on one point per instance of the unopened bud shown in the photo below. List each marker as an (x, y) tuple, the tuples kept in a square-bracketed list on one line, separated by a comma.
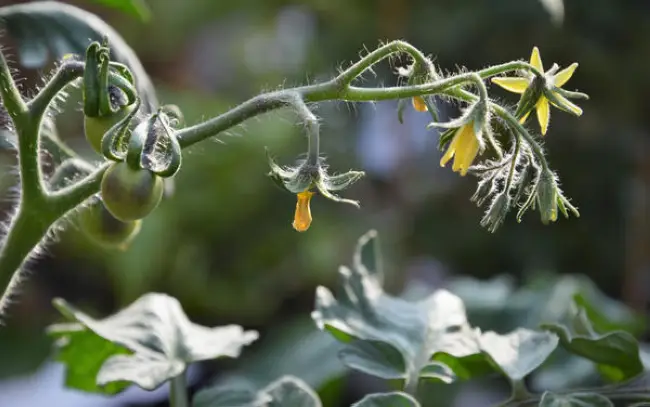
[(547, 197)]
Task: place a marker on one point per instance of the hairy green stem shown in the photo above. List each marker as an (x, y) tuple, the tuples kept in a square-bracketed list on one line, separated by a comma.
[(513, 164), (508, 67), (11, 98), (312, 126), (67, 72), (25, 232), (178, 391)]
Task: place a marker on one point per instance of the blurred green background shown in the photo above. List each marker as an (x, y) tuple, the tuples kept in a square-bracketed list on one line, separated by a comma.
[(223, 243)]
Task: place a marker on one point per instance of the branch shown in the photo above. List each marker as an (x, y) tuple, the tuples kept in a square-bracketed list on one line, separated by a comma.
[(67, 72), (11, 97)]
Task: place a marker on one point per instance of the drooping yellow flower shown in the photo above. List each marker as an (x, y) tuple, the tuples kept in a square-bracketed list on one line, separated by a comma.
[(418, 104), (302, 218), (464, 148), (553, 81)]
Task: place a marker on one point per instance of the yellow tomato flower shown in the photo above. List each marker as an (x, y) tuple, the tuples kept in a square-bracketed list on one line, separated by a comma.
[(464, 148), (418, 104), (302, 218), (553, 81)]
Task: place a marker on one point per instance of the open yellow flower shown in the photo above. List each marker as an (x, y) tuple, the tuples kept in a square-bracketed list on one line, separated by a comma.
[(302, 218), (553, 81), (464, 148)]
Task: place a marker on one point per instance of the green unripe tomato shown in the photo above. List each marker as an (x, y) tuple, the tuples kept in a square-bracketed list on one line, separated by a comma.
[(97, 223), (130, 194), (96, 127)]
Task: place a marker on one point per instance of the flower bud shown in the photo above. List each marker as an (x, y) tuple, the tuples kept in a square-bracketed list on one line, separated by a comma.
[(547, 197), (497, 212), (302, 218)]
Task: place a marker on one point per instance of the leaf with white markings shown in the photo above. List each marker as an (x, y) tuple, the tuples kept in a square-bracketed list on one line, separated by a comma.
[(390, 326), (395, 399), (154, 341), (615, 352), (520, 352), (287, 391), (574, 400)]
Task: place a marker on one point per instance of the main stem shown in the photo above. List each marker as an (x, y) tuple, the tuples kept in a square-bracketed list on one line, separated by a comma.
[(25, 232)]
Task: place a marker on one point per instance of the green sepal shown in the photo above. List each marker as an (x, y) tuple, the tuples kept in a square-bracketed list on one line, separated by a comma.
[(431, 107), (291, 179), (341, 181), (327, 194), (114, 142), (401, 105), (91, 81), (562, 105), (103, 58), (122, 83), (497, 212), (530, 97), (547, 197), (445, 138)]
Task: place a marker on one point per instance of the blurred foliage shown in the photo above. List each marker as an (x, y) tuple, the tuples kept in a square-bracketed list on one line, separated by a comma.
[(223, 243), (136, 8)]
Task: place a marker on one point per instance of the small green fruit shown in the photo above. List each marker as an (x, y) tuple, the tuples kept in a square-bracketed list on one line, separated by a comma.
[(130, 194), (97, 223)]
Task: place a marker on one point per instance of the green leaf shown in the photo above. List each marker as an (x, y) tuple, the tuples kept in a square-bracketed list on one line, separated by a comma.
[(520, 352), (48, 30), (231, 395), (439, 372), (287, 391), (303, 347), (465, 367), (84, 353), (374, 358), (607, 314), (574, 400), (616, 353), (162, 339), (291, 392), (546, 298), (137, 8), (417, 330), (395, 399)]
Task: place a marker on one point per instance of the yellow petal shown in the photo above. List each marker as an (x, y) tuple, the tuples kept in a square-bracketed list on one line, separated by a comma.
[(543, 114), (536, 60), (302, 218), (466, 149), (523, 119), (564, 75), (450, 150), (418, 104), (567, 104), (516, 85)]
